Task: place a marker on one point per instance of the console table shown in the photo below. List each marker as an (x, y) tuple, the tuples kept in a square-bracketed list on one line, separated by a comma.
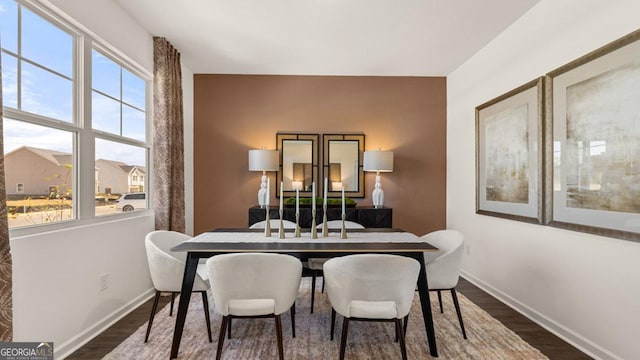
[(367, 216)]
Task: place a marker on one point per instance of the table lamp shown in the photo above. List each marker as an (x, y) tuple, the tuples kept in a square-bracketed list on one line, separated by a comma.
[(263, 160), (378, 161)]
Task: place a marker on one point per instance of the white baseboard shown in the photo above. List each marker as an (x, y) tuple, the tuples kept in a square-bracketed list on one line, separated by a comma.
[(67, 348), (566, 334)]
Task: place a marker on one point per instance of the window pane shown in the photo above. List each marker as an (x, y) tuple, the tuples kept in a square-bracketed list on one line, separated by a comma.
[(45, 93), (116, 166), (133, 89), (9, 81), (105, 113), (38, 173), (46, 44), (133, 121), (9, 25), (105, 75)]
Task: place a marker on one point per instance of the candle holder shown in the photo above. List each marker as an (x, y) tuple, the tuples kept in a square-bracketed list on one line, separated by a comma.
[(325, 228), (343, 232), (314, 231), (267, 223), (297, 233), (281, 231)]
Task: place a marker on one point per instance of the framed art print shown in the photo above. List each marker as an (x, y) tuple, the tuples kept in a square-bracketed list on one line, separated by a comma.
[(594, 143), (509, 154)]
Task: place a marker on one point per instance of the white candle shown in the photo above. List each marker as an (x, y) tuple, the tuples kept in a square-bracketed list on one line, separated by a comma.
[(325, 191), (266, 201), (313, 195), (343, 206), (281, 197), (297, 201)]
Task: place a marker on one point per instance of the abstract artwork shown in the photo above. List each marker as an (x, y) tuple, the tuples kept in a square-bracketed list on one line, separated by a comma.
[(508, 156), (595, 142)]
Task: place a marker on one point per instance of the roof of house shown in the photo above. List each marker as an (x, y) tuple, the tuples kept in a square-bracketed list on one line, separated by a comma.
[(63, 158)]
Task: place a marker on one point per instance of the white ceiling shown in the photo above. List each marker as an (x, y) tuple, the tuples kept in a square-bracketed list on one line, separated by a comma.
[(326, 37)]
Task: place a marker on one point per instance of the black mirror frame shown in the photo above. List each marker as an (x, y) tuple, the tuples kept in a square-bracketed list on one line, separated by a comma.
[(326, 138), (314, 138)]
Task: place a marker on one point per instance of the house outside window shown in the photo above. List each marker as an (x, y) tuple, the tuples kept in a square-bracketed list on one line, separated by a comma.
[(45, 77)]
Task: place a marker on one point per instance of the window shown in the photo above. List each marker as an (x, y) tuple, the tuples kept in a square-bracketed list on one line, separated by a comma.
[(114, 164), (44, 81)]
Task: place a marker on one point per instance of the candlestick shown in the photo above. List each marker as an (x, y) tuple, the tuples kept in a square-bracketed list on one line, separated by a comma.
[(267, 221), (325, 191), (281, 197), (297, 201), (343, 205), (343, 232), (314, 231), (268, 199), (297, 233), (281, 230)]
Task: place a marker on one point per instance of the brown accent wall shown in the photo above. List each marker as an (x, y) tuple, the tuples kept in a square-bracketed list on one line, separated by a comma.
[(236, 113)]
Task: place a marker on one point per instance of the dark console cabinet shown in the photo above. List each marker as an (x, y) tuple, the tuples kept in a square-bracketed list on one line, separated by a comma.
[(367, 216)]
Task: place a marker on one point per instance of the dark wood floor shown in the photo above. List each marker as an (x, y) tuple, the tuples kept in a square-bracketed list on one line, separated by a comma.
[(549, 344)]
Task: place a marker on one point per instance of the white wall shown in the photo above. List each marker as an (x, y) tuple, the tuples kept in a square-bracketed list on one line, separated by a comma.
[(583, 287), (56, 280), (56, 275)]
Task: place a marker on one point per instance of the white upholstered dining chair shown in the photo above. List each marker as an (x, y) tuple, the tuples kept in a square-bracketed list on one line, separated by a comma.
[(368, 287), (443, 266), (167, 269), (253, 285), (315, 264)]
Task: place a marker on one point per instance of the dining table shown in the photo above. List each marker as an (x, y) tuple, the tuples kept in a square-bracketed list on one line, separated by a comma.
[(358, 241)]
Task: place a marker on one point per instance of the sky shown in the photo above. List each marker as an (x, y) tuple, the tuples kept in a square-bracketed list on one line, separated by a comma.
[(47, 89)]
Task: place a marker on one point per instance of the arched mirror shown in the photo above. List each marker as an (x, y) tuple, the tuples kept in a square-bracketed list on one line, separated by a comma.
[(298, 164), (342, 164)]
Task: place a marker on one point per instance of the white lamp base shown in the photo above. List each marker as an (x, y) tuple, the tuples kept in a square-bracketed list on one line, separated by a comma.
[(263, 192), (378, 194)]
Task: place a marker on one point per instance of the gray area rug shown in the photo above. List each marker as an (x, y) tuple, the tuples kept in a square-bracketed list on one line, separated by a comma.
[(255, 338)]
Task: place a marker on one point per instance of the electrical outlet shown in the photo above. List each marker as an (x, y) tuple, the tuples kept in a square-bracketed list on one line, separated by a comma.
[(104, 282)]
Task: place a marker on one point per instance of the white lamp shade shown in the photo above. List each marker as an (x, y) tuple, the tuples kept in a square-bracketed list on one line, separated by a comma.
[(263, 160), (378, 160)]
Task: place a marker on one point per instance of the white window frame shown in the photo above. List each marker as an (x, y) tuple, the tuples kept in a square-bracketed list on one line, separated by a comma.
[(84, 136)]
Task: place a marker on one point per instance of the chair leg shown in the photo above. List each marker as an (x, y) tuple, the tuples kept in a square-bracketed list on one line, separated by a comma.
[(397, 330), (403, 347), (293, 320), (205, 305), (343, 340), (173, 297), (406, 322), (322, 284), (333, 321), (225, 320), (229, 330), (440, 301), (279, 336), (455, 302), (153, 313), (313, 289)]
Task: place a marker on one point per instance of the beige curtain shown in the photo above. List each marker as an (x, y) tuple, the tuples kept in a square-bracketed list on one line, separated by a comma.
[(6, 291), (168, 139)]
